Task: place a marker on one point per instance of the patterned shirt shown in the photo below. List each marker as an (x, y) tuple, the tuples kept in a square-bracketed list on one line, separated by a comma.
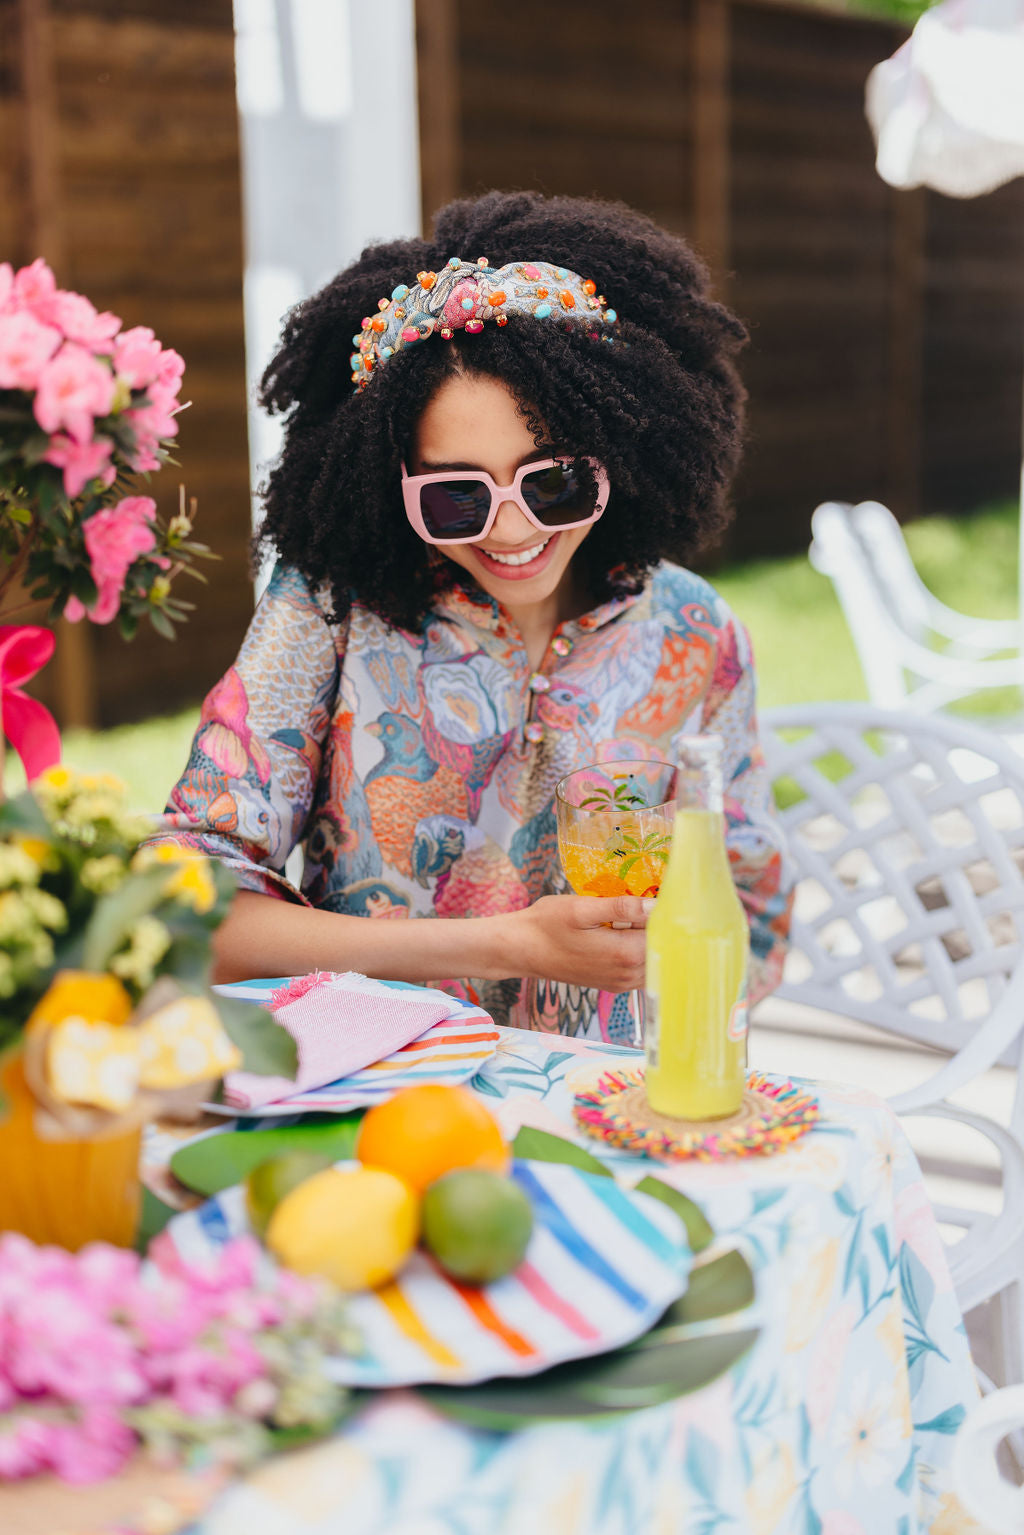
[(417, 771)]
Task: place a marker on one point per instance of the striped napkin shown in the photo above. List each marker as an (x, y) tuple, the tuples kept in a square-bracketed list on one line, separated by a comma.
[(341, 1023), (602, 1265)]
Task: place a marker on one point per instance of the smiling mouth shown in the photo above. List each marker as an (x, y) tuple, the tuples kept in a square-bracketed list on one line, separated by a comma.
[(524, 557)]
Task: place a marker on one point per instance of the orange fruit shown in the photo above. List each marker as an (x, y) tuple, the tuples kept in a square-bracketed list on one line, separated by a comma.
[(424, 1132)]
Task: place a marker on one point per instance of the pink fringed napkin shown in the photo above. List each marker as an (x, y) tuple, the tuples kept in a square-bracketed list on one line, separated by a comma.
[(340, 1023)]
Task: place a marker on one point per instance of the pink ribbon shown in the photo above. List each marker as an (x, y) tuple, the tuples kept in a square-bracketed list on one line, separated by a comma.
[(30, 728)]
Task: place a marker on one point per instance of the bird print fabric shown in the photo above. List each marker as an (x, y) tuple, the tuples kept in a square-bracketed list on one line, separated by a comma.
[(417, 771)]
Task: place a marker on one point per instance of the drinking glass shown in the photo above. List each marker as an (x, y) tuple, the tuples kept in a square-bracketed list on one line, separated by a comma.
[(614, 834)]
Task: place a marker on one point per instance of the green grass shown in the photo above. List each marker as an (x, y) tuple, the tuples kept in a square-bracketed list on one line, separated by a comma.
[(803, 649), (801, 643)]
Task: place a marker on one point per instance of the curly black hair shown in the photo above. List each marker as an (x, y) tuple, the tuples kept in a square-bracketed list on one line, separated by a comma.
[(663, 413)]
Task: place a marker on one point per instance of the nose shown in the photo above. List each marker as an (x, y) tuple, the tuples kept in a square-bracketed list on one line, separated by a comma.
[(511, 530)]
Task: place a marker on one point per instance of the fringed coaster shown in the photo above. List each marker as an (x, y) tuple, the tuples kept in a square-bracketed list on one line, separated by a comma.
[(773, 1115)]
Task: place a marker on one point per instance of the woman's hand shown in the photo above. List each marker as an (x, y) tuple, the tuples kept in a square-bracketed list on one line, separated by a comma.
[(582, 939)]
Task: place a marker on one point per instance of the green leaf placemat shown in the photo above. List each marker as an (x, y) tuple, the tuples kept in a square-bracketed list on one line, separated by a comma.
[(682, 1353), (219, 1161), (671, 1360)]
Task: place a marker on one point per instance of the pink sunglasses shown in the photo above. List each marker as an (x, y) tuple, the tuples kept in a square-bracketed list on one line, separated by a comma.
[(447, 508)]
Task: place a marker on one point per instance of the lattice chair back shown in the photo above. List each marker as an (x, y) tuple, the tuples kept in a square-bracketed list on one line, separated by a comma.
[(907, 834)]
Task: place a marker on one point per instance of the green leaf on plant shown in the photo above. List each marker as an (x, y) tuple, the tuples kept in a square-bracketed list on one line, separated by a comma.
[(114, 914), (267, 1047)]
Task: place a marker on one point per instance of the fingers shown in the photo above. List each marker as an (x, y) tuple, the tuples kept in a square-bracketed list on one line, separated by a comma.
[(619, 911)]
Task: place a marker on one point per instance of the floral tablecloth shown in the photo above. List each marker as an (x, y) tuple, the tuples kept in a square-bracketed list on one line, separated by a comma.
[(839, 1422)]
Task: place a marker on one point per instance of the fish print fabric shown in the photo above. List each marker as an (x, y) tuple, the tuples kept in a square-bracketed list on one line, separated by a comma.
[(418, 771)]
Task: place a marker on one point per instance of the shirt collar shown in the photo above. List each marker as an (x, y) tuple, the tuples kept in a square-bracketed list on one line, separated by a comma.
[(473, 607)]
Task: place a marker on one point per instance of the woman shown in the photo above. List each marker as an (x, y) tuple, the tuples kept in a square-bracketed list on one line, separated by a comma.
[(493, 440)]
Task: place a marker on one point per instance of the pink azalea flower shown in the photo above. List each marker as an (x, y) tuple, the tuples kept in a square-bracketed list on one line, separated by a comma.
[(95, 1447), (6, 286), (25, 1447), (74, 387), (172, 369), (77, 318), (26, 346), (62, 1346), (114, 539), (34, 284), (137, 357), (82, 462)]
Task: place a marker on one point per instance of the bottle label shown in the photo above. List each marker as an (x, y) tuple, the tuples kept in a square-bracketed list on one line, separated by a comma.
[(736, 1029)]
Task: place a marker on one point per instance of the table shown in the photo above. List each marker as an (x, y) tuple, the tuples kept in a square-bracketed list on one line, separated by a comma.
[(839, 1421)]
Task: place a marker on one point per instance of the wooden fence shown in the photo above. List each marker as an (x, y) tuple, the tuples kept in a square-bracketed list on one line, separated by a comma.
[(887, 328), (119, 164)]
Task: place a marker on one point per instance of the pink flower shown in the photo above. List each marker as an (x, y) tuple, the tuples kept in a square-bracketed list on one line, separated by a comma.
[(82, 462), (137, 357), (62, 1345), (95, 1447), (25, 1448), (6, 286), (77, 318), (233, 1267), (26, 347), (172, 369), (73, 389), (34, 284), (114, 539)]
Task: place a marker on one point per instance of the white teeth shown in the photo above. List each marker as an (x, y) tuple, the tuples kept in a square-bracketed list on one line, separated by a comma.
[(518, 559)]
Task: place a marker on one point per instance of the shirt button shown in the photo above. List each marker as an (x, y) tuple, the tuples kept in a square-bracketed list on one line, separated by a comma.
[(534, 731), (561, 645), (539, 683)]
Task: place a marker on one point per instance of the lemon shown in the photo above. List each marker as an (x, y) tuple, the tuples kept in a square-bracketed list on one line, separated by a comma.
[(353, 1225), (269, 1182), (477, 1224)]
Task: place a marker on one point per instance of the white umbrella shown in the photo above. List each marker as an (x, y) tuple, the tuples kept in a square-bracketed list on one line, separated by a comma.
[(947, 110)]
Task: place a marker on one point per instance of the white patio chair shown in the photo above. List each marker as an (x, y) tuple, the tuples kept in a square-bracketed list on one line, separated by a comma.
[(894, 618), (907, 834)]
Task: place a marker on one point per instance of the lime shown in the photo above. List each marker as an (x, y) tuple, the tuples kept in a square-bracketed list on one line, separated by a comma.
[(353, 1225), (477, 1224), (267, 1184)]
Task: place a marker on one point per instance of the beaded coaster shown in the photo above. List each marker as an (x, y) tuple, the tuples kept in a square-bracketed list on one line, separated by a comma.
[(773, 1115)]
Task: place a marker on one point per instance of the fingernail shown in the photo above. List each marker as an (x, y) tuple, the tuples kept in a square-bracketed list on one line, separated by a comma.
[(648, 903)]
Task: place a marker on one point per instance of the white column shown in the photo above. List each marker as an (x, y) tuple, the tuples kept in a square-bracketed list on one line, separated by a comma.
[(330, 157)]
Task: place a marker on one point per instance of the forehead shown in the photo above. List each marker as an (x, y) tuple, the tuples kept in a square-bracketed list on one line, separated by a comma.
[(471, 419)]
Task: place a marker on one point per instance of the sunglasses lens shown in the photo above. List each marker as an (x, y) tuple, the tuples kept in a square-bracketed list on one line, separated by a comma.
[(455, 509), (565, 492)]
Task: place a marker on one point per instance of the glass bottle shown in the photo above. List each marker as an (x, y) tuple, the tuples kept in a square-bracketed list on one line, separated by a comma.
[(698, 945)]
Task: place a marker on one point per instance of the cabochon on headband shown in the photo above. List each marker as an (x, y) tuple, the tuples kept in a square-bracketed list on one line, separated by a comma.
[(463, 295)]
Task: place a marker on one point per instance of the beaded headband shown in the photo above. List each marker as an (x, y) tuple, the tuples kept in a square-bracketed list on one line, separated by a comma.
[(465, 294)]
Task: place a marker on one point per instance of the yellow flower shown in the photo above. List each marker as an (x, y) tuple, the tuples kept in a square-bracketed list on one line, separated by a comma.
[(59, 777), (40, 852), (148, 942), (101, 875), (192, 884), (17, 867)]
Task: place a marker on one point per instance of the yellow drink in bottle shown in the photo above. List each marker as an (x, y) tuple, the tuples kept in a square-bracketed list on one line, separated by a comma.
[(697, 953)]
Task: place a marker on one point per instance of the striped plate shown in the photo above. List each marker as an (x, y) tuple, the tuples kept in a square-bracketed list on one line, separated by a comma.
[(450, 1051), (602, 1266)]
